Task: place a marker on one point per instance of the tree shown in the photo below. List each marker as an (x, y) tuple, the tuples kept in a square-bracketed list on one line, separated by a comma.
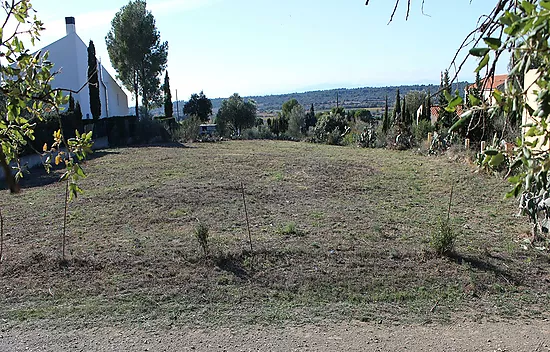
[(288, 106), (446, 118), (168, 106), (330, 128), (386, 123), (236, 114), (71, 103), (296, 121), (137, 53), (364, 115), (93, 82), (198, 105), (397, 108), (311, 120), (415, 99), (428, 109)]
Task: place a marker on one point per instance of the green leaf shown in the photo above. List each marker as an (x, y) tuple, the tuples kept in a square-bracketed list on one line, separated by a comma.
[(491, 152), (479, 52), (455, 102), (79, 171), (515, 192), (483, 63), (527, 6), (497, 160), (473, 99), (545, 4), (494, 43), (448, 96), (465, 117)]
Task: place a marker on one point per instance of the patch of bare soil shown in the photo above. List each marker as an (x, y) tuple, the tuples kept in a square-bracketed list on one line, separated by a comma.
[(490, 337)]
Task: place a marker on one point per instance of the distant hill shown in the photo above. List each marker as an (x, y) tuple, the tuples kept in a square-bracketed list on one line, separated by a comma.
[(367, 97)]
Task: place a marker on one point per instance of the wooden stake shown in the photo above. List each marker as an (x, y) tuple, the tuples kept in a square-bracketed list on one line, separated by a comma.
[(246, 214)]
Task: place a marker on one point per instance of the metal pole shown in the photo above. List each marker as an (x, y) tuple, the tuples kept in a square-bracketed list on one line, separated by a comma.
[(177, 105)]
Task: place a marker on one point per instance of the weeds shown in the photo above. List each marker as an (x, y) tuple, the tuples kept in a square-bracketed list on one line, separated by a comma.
[(201, 233), (444, 237), (290, 229)]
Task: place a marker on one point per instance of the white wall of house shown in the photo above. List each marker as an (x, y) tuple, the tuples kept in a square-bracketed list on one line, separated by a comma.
[(70, 57)]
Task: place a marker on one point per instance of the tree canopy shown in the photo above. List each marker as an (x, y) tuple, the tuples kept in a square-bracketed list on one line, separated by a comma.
[(236, 114), (137, 53), (198, 105)]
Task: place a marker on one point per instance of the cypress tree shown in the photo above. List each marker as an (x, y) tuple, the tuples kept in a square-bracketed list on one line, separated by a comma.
[(71, 102), (428, 115), (445, 117), (77, 111), (404, 114), (93, 82), (168, 107), (397, 109), (386, 119)]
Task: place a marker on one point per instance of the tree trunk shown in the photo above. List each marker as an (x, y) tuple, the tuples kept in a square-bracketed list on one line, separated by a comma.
[(11, 182), (136, 90)]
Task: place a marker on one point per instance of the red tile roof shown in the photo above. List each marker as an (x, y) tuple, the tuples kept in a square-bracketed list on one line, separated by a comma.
[(492, 83)]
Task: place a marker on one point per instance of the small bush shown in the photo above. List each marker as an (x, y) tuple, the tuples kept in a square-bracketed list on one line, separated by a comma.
[(290, 229), (443, 238), (188, 130), (420, 131), (201, 233)]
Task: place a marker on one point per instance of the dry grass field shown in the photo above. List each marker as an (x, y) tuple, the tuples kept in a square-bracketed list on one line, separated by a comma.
[(338, 234)]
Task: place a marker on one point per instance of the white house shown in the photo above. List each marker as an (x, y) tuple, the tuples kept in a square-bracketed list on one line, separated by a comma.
[(70, 56)]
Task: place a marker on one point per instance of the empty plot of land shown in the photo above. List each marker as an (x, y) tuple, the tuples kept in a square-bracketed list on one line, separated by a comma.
[(338, 235)]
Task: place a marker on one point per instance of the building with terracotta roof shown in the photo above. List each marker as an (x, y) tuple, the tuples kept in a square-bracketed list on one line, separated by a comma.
[(489, 85)]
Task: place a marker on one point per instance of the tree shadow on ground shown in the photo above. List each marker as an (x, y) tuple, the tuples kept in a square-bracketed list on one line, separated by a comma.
[(486, 266), (158, 145), (37, 176), (232, 264)]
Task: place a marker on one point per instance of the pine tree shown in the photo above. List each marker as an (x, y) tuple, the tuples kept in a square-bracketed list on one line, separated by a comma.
[(93, 82), (168, 107)]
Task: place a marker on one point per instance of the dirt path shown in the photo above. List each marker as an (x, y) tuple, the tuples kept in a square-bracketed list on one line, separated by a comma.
[(534, 336)]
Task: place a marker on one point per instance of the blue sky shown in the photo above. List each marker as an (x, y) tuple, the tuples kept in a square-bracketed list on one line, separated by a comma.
[(257, 47)]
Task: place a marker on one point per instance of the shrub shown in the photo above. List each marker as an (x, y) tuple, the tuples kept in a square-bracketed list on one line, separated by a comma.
[(290, 229), (201, 233), (443, 238), (330, 129), (149, 131), (188, 130), (420, 131)]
